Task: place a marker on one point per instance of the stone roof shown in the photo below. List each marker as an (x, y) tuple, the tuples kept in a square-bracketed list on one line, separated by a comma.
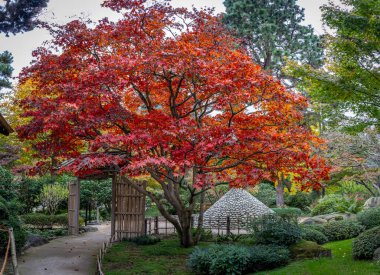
[(239, 205)]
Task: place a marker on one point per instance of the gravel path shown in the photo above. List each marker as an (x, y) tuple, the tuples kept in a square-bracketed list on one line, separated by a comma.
[(71, 255)]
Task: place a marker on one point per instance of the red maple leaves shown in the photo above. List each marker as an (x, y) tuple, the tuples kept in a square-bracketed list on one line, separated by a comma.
[(170, 91)]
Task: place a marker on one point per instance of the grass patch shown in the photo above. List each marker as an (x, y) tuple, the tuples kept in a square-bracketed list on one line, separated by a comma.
[(165, 257), (340, 263)]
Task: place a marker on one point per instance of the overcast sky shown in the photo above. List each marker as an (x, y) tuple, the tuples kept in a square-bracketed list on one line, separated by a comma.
[(62, 11)]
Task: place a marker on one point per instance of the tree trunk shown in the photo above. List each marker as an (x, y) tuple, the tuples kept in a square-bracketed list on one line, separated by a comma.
[(186, 234), (280, 202)]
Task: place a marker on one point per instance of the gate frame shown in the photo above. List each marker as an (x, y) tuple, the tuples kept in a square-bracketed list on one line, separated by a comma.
[(126, 220)]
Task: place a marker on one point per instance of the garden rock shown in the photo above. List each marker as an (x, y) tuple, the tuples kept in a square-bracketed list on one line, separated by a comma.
[(33, 240), (237, 204), (376, 254), (372, 202)]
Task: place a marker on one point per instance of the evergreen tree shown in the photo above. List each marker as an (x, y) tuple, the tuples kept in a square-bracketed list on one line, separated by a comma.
[(273, 33), (5, 69)]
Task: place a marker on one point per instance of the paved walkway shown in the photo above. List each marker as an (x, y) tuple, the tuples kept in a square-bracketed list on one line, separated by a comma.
[(71, 255)]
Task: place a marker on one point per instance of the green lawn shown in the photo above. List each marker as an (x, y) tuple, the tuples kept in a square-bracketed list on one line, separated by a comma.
[(340, 264), (166, 257)]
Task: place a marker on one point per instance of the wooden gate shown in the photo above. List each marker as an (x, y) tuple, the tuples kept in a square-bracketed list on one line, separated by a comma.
[(128, 210), (73, 207)]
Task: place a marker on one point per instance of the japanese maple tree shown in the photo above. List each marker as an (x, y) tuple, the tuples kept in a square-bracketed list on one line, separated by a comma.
[(172, 95)]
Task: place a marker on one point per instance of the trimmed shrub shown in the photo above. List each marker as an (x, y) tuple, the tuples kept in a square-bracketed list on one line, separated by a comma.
[(310, 234), (41, 221), (272, 229), (366, 243), (290, 214), (342, 230), (220, 259), (370, 218), (234, 259), (146, 240), (200, 260), (268, 257), (326, 205), (301, 200), (230, 259)]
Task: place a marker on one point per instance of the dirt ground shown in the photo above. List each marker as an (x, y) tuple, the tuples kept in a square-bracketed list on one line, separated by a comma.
[(65, 256)]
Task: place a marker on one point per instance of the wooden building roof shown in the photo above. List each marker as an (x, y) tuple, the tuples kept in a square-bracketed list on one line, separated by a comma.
[(5, 128)]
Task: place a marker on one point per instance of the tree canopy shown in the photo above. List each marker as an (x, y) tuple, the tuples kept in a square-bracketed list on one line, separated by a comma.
[(169, 93), (348, 86)]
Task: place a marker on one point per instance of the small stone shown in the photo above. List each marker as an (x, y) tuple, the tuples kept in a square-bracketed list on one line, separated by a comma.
[(376, 254)]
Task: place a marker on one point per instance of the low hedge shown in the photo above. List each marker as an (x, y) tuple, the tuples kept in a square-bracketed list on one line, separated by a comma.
[(310, 234), (273, 229), (364, 246), (234, 259), (342, 230), (370, 218), (41, 221)]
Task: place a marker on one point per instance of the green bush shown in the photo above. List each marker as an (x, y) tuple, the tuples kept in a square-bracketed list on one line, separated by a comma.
[(266, 193), (146, 240), (234, 259), (8, 218), (42, 221), (308, 250), (310, 234), (370, 218), (326, 205), (268, 257), (206, 234), (290, 214), (272, 229), (200, 260), (366, 243), (220, 259), (337, 203), (342, 230), (301, 200)]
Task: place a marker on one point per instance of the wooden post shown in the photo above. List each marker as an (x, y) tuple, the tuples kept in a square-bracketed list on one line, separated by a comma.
[(113, 207), (13, 251), (146, 226), (156, 225), (73, 207), (228, 225)]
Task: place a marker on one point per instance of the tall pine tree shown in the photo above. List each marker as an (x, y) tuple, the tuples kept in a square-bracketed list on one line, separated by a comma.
[(273, 33)]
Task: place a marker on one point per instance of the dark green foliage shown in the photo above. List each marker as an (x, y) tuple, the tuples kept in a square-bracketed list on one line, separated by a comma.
[(29, 191), (272, 30), (234, 259), (272, 229), (41, 221), (200, 260), (370, 218), (6, 69), (342, 230), (290, 214), (20, 15), (268, 257), (326, 205), (350, 85), (301, 200), (310, 234), (7, 186), (220, 259), (228, 238), (49, 234), (309, 250), (8, 218), (146, 240), (366, 243), (266, 194), (206, 234)]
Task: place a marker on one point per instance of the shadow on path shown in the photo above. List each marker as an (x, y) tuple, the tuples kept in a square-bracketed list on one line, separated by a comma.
[(71, 255)]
